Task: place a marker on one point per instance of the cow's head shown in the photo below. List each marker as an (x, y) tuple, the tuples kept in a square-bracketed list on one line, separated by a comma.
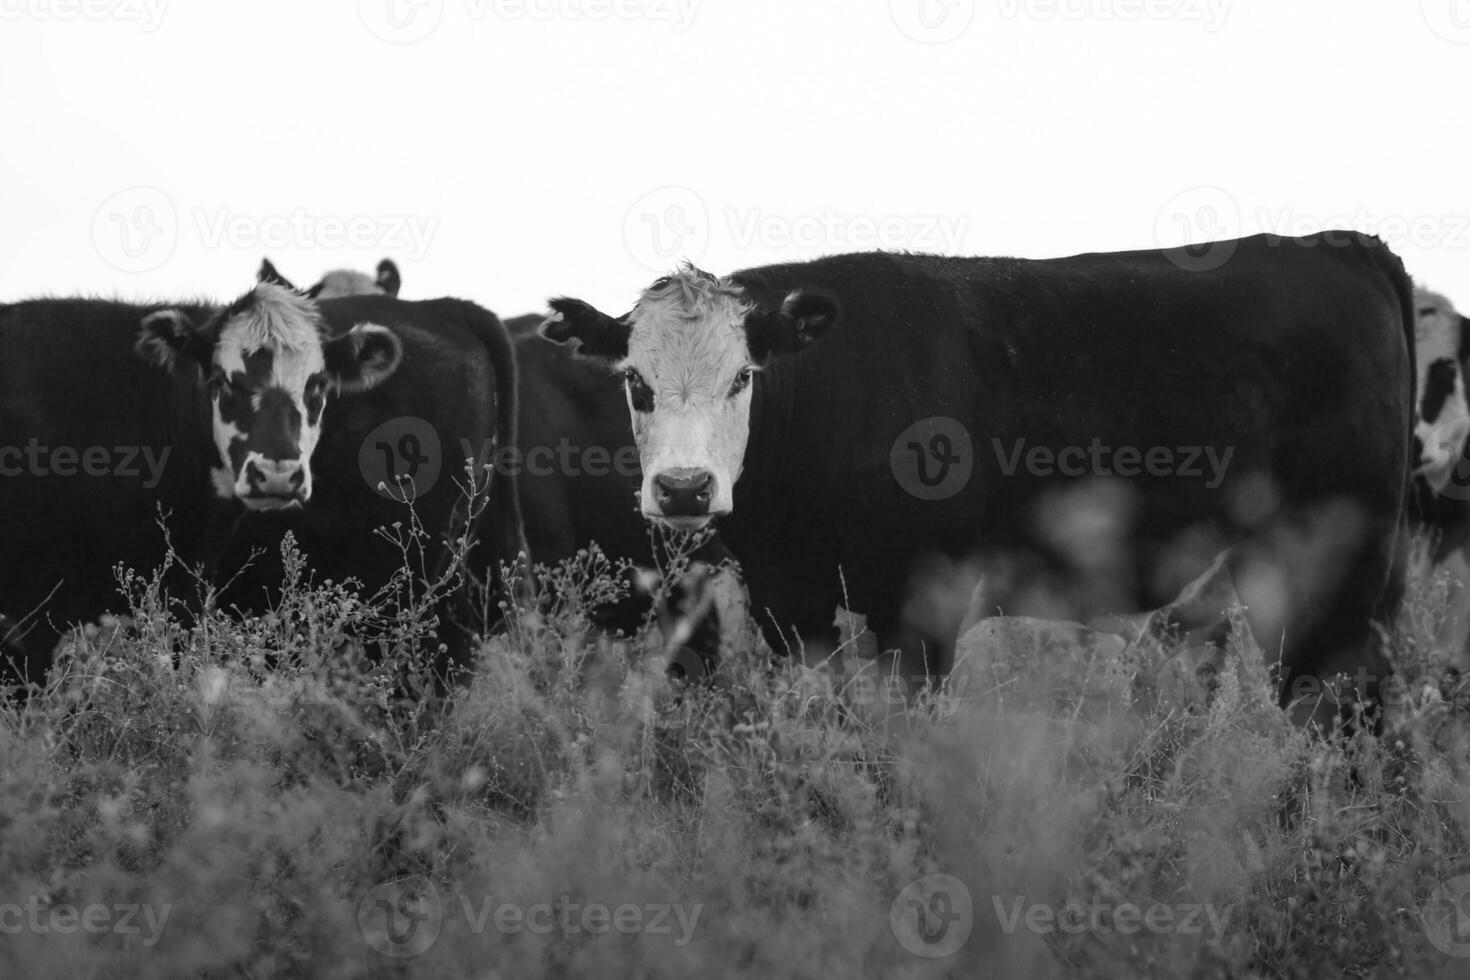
[(1442, 417), (270, 367), (688, 352), (340, 282)]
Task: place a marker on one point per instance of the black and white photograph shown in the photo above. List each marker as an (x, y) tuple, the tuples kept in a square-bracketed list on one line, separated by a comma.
[(735, 488)]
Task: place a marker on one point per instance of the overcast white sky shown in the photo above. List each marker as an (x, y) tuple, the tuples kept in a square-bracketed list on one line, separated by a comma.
[(507, 150)]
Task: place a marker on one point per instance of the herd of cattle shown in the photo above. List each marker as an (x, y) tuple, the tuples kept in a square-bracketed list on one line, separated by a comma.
[(857, 429)]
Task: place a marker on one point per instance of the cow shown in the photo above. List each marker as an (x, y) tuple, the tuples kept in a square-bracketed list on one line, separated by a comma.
[(1439, 501), (112, 414), (340, 282), (452, 403), (857, 422), (579, 479)]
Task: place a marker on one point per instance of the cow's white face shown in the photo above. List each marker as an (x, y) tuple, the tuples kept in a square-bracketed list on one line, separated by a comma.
[(1442, 417), (688, 380), (269, 367), (689, 352)]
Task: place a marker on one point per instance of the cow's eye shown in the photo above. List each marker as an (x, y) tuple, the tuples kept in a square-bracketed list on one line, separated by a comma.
[(638, 390), (742, 381)]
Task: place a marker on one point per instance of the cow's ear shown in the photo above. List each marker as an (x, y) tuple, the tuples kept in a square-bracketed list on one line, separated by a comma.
[(597, 334), (363, 357), (388, 279), (269, 273), (804, 316), (172, 340)]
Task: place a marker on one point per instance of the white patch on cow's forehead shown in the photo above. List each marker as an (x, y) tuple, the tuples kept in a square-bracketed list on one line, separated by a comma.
[(687, 334), (278, 320)]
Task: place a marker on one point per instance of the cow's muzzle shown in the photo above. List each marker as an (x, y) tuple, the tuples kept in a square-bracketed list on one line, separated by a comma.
[(683, 496), (273, 484)]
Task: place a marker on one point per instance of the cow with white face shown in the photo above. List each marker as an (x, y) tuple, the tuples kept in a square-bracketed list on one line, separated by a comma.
[(1442, 422), (921, 407), (270, 367), (1439, 503), (688, 352)]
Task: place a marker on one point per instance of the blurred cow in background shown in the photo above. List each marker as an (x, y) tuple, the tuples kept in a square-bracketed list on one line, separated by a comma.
[(1439, 500), (340, 282)]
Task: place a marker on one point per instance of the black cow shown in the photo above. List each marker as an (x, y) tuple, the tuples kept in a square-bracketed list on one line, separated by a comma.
[(340, 282), (453, 398), (110, 411), (885, 413)]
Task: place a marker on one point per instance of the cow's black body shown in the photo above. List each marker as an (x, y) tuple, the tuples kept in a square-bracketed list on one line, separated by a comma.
[(1296, 353), (70, 379)]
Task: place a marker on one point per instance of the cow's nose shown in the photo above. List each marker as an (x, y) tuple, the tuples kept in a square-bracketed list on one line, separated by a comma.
[(275, 477), (1416, 452), (684, 492)]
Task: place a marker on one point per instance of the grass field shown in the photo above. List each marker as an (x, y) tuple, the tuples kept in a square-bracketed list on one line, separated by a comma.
[(244, 798)]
